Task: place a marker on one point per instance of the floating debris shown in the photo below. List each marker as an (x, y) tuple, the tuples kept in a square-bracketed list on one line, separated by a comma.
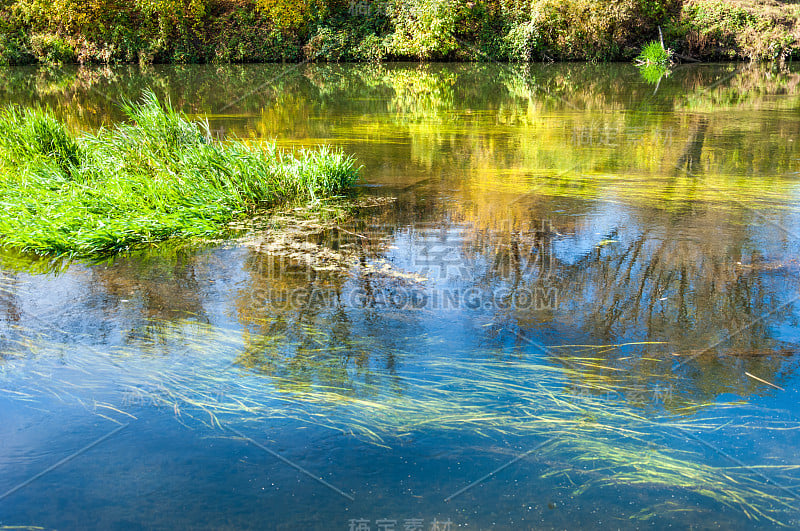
[(299, 234)]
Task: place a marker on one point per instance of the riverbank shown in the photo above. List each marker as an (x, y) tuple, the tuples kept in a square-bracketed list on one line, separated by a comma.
[(225, 31), (156, 176)]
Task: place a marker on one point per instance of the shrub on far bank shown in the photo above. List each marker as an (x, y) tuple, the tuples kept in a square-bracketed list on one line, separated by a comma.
[(734, 29), (51, 49), (221, 31)]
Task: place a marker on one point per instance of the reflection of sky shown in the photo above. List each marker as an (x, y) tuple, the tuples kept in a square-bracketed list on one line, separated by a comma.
[(599, 224)]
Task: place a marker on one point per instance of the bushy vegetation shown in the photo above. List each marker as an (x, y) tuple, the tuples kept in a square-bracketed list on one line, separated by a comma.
[(654, 54), (224, 31), (731, 29), (154, 177)]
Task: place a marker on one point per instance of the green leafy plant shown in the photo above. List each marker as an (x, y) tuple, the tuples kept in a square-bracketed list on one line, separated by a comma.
[(371, 49), (52, 49), (424, 29), (523, 40), (327, 45)]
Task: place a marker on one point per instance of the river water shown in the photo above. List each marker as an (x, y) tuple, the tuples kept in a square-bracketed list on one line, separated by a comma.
[(563, 297)]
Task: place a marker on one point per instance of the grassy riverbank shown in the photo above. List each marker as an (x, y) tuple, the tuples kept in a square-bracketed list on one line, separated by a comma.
[(223, 31), (154, 177)]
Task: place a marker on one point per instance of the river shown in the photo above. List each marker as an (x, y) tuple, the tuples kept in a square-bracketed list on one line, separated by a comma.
[(563, 296)]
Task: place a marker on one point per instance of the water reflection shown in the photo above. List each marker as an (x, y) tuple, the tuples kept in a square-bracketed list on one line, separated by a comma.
[(675, 262), (705, 303), (566, 252)]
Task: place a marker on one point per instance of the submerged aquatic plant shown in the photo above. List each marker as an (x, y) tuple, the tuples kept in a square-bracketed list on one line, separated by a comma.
[(588, 436), (155, 177)]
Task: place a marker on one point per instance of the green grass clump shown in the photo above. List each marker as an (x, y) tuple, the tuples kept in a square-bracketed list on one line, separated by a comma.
[(154, 177), (654, 54)]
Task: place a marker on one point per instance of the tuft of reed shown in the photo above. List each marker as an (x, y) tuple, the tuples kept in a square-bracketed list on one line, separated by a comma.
[(654, 61), (654, 54), (154, 177)]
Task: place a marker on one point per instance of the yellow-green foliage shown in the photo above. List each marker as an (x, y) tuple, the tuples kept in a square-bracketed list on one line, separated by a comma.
[(424, 28), (588, 29), (287, 14), (372, 30), (763, 30)]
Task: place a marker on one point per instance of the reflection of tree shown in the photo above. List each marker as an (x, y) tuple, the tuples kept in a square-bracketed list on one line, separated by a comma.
[(451, 114), (680, 284), (673, 283), (685, 288), (9, 302), (558, 129), (301, 325), (457, 144), (158, 288), (10, 311), (693, 280), (689, 159)]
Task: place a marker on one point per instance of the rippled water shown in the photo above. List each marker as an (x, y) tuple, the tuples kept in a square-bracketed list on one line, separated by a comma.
[(563, 297)]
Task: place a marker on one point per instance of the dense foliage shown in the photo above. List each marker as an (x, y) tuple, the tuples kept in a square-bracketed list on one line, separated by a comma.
[(224, 31)]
